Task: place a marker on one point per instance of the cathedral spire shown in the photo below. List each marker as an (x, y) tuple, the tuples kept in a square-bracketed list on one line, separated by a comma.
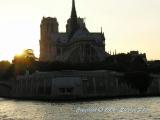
[(74, 23), (73, 13)]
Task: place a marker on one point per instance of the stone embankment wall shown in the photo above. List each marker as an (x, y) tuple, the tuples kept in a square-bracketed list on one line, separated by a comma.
[(74, 84)]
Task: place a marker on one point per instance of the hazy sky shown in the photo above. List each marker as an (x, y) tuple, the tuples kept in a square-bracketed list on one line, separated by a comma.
[(127, 24)]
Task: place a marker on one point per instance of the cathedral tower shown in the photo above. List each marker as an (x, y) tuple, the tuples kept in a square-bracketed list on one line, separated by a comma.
[(49, 27)]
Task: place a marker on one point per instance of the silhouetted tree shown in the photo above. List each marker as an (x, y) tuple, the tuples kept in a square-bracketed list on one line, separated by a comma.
[(154, 66), (4, 66), (24, 62), (138, 64), (139, 80)]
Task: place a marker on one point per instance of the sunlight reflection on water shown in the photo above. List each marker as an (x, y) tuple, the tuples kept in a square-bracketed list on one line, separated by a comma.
[(124, 109)]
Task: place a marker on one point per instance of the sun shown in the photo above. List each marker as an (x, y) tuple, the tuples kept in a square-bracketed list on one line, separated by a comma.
[(19, 53), (9, 54)]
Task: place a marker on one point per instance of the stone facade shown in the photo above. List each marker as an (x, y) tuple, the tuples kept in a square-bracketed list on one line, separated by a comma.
[(76, 45)]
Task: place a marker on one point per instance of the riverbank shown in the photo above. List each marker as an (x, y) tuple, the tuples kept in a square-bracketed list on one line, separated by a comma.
[(70, 100), (70, 85)]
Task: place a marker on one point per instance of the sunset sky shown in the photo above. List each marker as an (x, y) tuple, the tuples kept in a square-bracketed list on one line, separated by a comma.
[(127, 24)]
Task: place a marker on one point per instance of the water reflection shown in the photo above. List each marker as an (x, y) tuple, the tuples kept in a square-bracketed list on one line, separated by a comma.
[(123, 109)]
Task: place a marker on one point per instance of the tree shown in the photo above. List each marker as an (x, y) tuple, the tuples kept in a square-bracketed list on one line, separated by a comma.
[(24, 62), (4, 66)]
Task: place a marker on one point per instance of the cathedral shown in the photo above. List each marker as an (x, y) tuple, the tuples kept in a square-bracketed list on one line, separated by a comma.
[(76, 45)]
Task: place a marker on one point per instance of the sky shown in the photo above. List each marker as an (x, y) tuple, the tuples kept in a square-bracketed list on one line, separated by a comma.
[(127, 24)]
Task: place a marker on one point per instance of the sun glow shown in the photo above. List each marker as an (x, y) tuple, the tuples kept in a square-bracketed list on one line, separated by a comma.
[(9, 55), (17, 36), (19, 53)]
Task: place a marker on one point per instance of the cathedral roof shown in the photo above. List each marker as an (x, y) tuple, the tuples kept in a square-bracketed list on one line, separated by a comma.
[(59, 38), (97, 36), (84, 34), (80, 34)]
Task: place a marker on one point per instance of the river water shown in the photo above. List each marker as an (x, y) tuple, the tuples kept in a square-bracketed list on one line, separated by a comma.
[(116, 109)]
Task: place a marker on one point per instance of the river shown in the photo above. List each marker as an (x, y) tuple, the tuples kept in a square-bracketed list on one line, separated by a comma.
[(116, 109)]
